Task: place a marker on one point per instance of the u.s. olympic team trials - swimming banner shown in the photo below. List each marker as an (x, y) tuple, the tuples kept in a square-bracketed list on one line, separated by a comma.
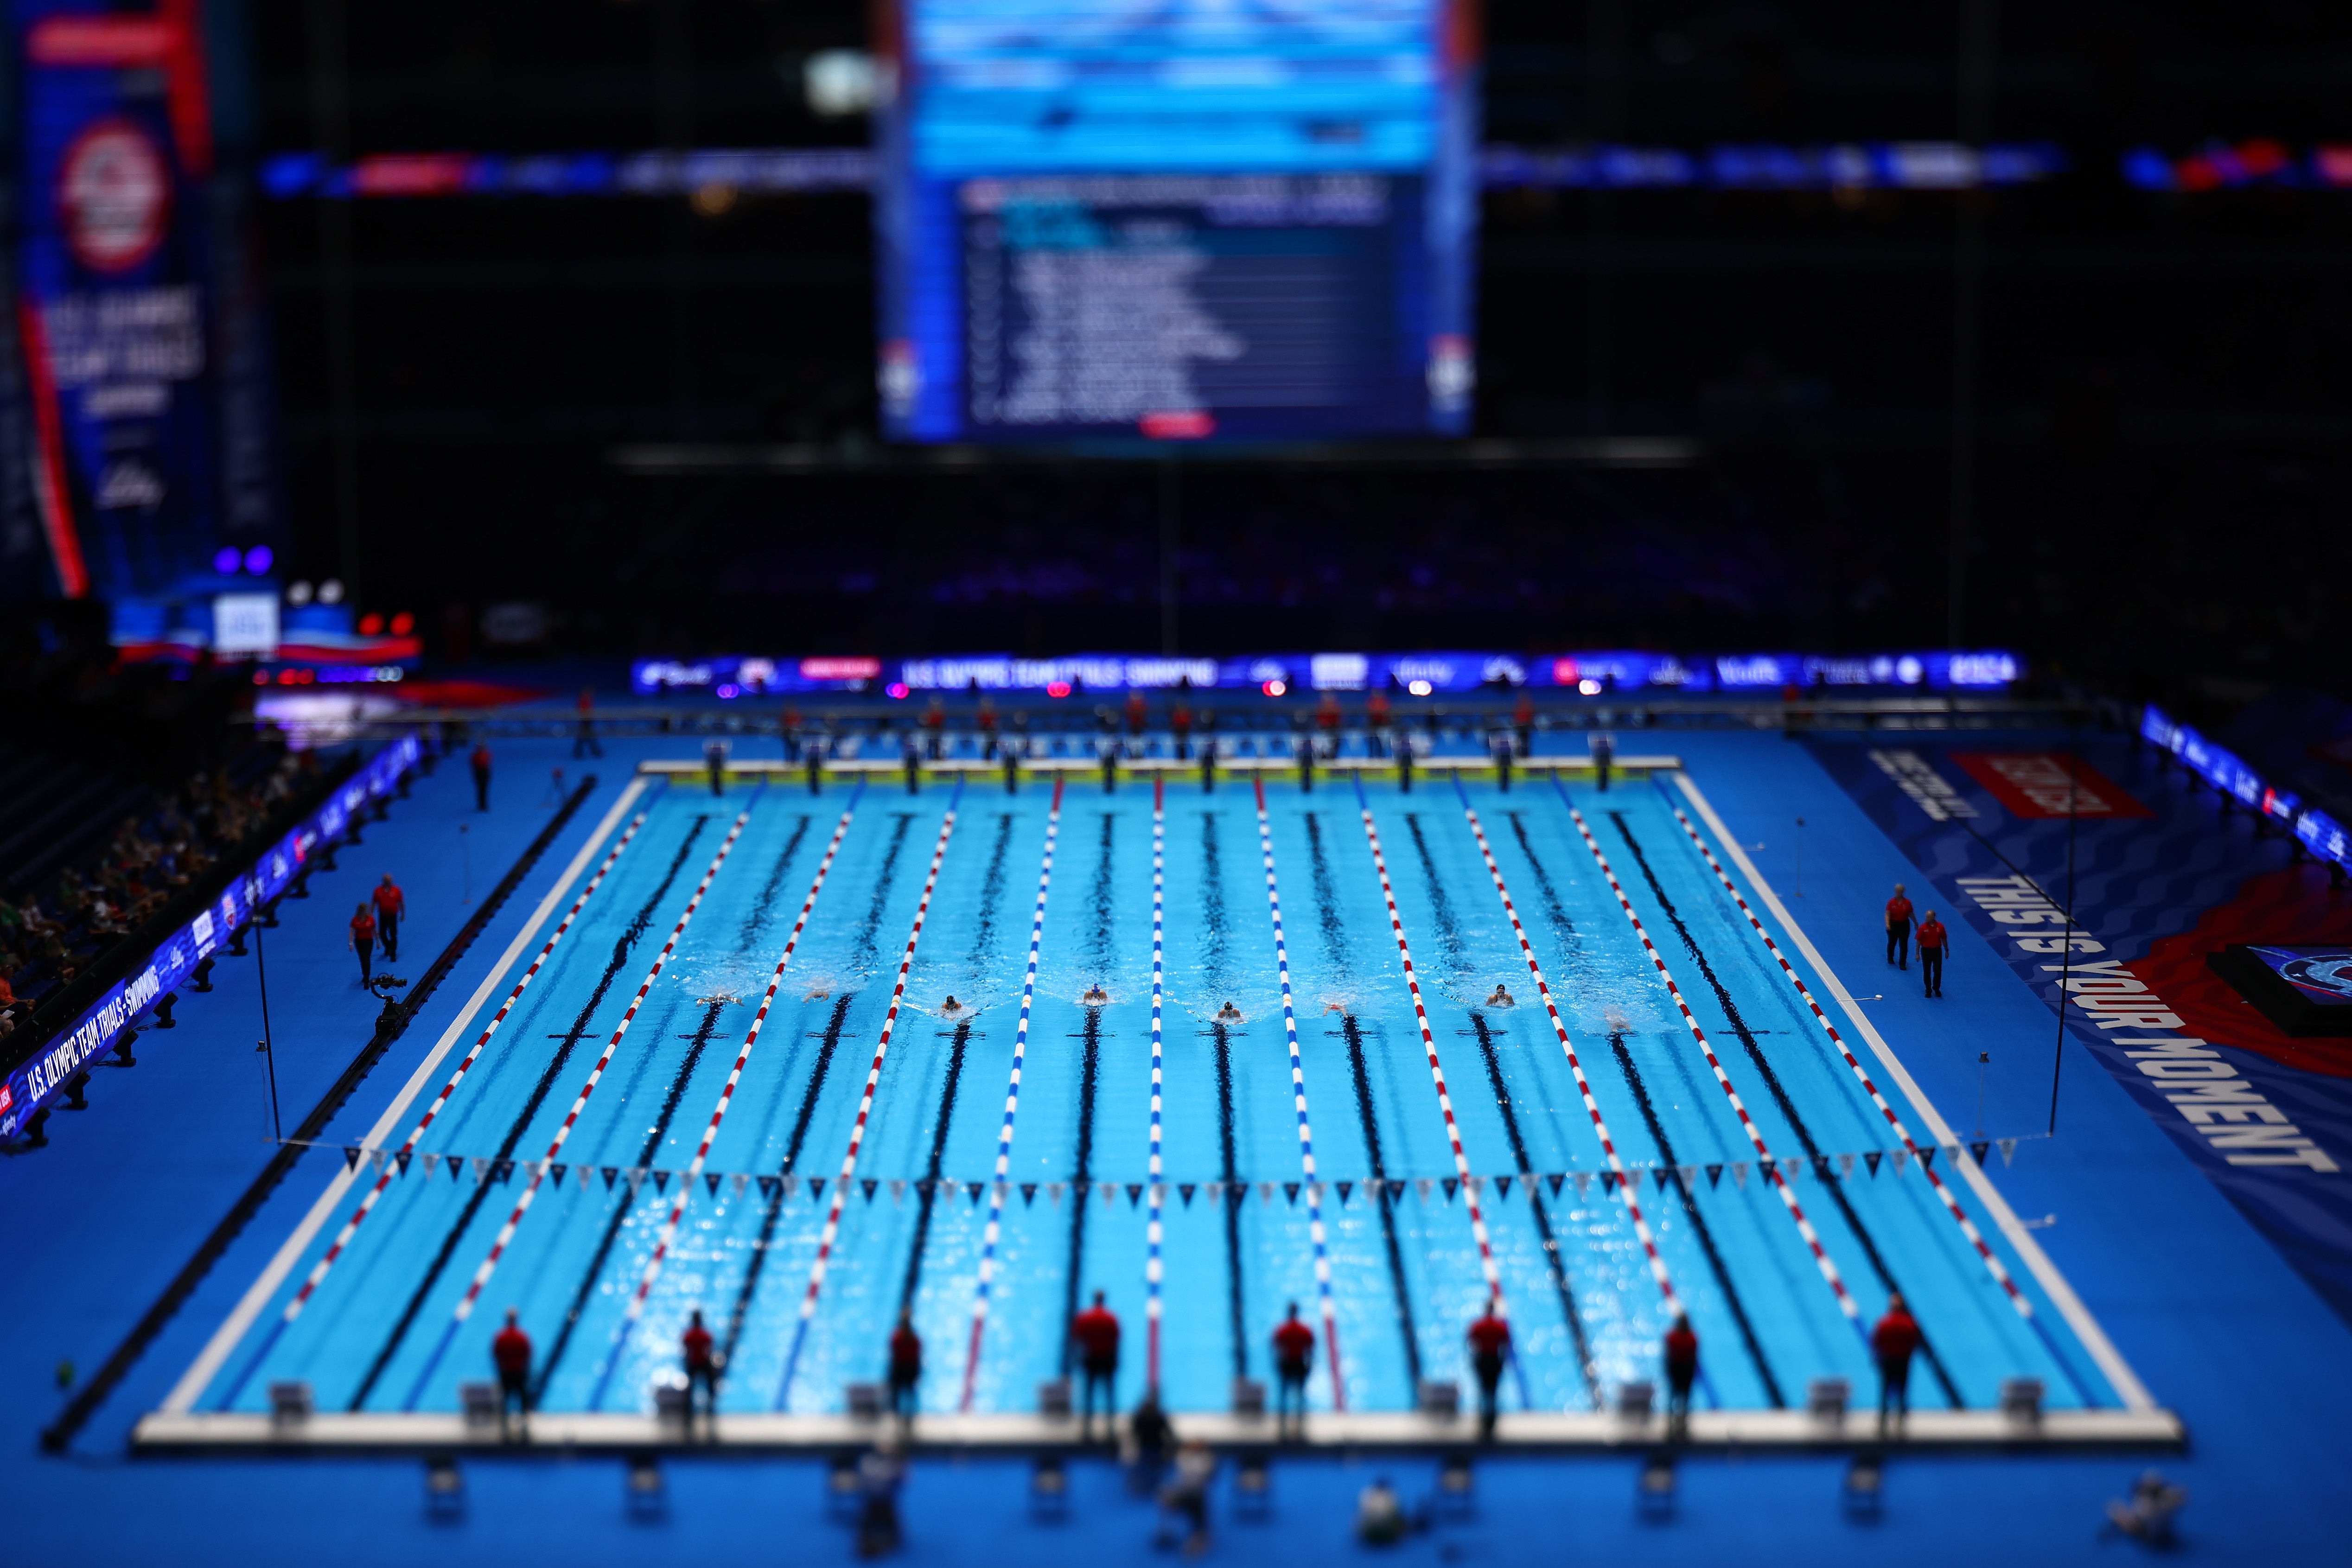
[(30, 1086), (112, 303)]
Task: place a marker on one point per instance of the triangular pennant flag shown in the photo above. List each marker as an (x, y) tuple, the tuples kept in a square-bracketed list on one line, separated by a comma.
[(404, 1155), (1558, 1177), (351, 1158), (897, 1191), (375, 1159), (787, 1183), (1978, 1149), (1502, 1187), (1792, 1168), (502, 1171), (1688, 1175), (1421, 1184), (1315, 1194), (1927, 1159), (1029, 1194), (871, 1186), (771, 1187), (1265, 1193), (2008, 1151), (1739, 1174), (1609, 1180), (1396, 1191), (456, 1167), (973, 1191), (481, 1167), (1215, 1191), (1822, 1166), (1053, 1192), (1583, 1181), (1845, 1165), (817, 1189), (661, 1181), (1661, 1173), (431, 1162), (1107, 1192), (556, 1172), (1134, 1193), (1292, 1188), (1899, 1156), (738, 1181), (611, 1174), (1715, 1175), (710, 1183), (924, 1186), (1871, 1158), (1184, 1191), (585, 1174), (1474, 1185)]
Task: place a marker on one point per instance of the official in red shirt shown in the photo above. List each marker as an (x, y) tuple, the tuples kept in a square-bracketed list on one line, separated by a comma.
[(906, 1366), (1681, 1370), (702, 1372), (1898, 928), (390, 905), (1891, 1342), (481, 760), (1933, 937), (363, 942), (1095, 1331), (1293, 1352), (511, 1353), (1490, 1346), (1136, 712)]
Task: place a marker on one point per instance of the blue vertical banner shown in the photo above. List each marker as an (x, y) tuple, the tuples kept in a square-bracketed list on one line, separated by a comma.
[(113, 304)]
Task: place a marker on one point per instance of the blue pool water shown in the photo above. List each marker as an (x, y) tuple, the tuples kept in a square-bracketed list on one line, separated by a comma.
[(1406, 1275)]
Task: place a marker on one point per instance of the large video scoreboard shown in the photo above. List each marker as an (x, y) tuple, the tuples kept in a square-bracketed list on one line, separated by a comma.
[(1176, 220)]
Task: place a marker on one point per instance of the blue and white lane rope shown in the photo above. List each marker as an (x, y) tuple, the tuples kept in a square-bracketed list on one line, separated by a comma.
[(832, 1231), (1152, 1233), (636, 1308), (1299, 1101), (995, 1231), (539, 1167)]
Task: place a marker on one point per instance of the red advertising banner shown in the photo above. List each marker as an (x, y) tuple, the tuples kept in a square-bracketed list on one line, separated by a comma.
[(2038, 784)]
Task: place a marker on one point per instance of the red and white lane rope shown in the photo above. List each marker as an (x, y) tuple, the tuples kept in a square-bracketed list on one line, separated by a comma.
[(1436, 1071), (506, 1236), (832, 1231), (994, 1232), (1315, 1230), (636, 1308), (1765, 1165), (1951, 1205), (398, 1161), (1152, 1225), (1628, 1188)]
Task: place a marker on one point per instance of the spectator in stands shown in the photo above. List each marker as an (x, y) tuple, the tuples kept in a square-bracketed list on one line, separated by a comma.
[(584, 738), (2147, 1514), (702, 1372), (390, 905), (1932, 938), (1681, 1370), (1898, 928), (1096, 1332), (1380, 1514), (511, 1353), (1150, 1433), (481, 760), (1892, 1343), (1490, 1346), (1294, 1353), (879, 1476), (363, 942), (1187, 1495)]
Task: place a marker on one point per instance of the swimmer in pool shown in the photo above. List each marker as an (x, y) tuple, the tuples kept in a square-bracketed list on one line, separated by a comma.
[(1229, 1013), (1095, 996), (1501, 999), (951, 1008), (818, 992)]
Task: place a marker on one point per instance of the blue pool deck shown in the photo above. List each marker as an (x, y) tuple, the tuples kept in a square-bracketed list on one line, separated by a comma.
[(2145, 1294)]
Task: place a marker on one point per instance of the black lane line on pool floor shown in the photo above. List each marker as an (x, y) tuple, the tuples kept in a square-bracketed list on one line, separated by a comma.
[(1335, 951), (1212, 919), (1082, 1190), (1558, 915), (1449, 934), (1822, 1167), (621, 1211), (861, 953), (1698, 1221), (622, 947), (764, 905), (927, 1190)]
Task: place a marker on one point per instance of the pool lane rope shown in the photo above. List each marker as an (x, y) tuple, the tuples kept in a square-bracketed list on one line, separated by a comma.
[(1765, 1165), (506, 1236), (1315, 1230), (398, 1161), (832, 1230), (1628, 1187), (1159, 1193), (994, 1231), (1470, 1183), (636, 1308)]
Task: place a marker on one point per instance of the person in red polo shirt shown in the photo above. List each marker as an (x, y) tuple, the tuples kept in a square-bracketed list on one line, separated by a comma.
[(1096, 1332), (1898, 928), (1932, 938), (363, 942), (511, 1353), (481, 761), (1681, 1370), (391, 906), (1293, 1352), (905, 1367), (1891, 1342), (702, 1372), (1490, 1346)]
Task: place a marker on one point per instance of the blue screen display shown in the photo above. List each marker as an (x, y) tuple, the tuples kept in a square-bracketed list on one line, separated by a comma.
[(1186, 220)]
